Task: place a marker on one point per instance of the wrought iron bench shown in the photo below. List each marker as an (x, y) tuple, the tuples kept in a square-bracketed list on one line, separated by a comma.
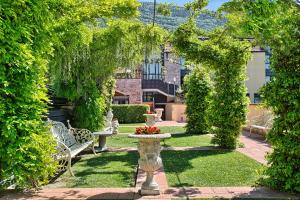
[(263, 122), (70, 142)]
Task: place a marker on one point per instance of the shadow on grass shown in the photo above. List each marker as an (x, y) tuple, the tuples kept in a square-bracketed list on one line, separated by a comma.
[(177, 162), (93, 171)]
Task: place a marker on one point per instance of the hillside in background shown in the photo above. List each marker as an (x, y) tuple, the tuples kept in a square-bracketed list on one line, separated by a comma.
[(179, 15)]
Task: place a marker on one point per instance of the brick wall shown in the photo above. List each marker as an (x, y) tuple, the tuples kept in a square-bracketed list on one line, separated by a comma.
[(132, 88)]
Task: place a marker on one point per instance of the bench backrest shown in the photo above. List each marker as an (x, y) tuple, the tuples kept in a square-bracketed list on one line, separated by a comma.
[(61, 133)]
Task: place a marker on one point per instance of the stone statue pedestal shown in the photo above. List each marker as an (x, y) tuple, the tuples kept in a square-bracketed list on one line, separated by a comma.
[(159, 112), (149, 149), (150, 119)]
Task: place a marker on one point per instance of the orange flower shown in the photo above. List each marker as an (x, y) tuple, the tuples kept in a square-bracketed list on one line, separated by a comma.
[(147, 130)]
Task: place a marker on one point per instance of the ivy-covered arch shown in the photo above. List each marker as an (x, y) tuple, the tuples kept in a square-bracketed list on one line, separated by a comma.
[(275, 24), (227, 57)]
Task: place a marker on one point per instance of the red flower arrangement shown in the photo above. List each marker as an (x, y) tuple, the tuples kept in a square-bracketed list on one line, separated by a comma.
[(149, 112), (147, 130)]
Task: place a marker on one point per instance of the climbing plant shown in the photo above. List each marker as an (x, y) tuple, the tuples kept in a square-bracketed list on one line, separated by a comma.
[(82, 75), (227, 56), (25, 145), (275, 24), (59, 34), (197, 89)]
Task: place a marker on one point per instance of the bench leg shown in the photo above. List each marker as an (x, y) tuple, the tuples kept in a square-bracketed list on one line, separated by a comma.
[(250, 132), (93, 148), (69, 166)]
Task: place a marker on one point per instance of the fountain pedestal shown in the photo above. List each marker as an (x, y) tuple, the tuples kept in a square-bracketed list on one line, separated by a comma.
[(159, 112), (150, 161), (150, 119)]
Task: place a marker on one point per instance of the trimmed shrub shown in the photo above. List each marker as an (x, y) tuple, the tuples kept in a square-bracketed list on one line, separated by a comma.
[(197, 89), (130, 113)]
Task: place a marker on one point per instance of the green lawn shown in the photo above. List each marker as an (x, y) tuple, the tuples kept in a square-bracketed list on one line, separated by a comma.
[(164, 129), (134, 124), (102, 170), (177, 140), (211, 168)]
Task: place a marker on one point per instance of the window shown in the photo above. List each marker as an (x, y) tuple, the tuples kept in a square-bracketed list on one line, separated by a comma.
[(257, 98), (268, 55), (152, 70), (148, 96), (121, 100)]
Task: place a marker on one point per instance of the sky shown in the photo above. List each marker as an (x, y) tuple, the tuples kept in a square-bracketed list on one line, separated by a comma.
[(213, 4)]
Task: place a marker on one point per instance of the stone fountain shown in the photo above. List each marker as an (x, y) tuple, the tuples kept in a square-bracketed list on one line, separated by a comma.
[(150, 161)]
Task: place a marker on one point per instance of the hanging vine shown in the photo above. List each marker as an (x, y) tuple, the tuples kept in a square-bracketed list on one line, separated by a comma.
[(81, 71)]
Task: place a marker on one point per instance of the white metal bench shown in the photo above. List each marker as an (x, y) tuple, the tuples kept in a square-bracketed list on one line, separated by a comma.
[(70, 142), (264, 125)]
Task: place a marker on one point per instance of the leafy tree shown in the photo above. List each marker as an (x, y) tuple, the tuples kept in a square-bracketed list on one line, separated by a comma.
[(197, 91), (275, 24), (227, 57), (81, 73)]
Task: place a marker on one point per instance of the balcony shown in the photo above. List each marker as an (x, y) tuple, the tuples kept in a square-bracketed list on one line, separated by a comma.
[(166, 88)]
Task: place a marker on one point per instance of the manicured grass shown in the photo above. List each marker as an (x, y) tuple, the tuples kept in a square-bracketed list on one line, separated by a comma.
[(177, 140), (164, 129), (121, 140), (213, 168), (188, 140), (134, 124), (102, 170)]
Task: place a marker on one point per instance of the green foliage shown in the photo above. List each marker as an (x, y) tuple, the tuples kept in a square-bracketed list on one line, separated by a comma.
[(226, 57), (82, 42), (276, 24), (89, 53), (25, 145), (89, 113), (197, 90), (164, 9), (130, 113), (109, 91)]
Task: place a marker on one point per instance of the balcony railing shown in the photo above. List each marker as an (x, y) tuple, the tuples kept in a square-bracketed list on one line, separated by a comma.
[(167, 88)]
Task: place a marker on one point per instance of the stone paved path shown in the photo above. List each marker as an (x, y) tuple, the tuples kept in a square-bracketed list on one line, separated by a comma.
[(255, 147), (167, 194)]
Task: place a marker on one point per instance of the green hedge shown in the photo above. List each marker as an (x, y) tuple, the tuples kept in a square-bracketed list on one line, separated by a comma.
[(197, 89), (130, 113)]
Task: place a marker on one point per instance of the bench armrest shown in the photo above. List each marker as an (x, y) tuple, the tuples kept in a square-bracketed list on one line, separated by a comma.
[(63, 151), (82, 135)]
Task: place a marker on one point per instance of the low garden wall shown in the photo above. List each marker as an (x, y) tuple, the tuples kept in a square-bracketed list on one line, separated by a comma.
[(176, 112)]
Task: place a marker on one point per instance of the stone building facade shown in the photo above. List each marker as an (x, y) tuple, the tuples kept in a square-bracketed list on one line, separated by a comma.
[(132, 88), (157, 79)]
